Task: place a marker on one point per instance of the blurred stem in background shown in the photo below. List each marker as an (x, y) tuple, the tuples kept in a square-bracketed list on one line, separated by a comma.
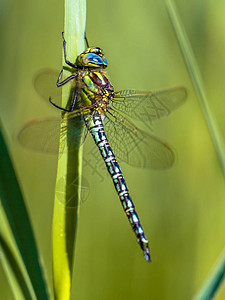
[(18, 218), (216, 278), (197, 81), (214, 281)]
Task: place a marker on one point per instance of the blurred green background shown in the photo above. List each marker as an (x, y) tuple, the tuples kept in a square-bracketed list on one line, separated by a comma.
[(182, 209)]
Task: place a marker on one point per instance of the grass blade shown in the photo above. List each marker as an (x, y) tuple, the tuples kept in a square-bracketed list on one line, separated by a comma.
[(15, 276), (67, 196), (196, 78), (214, 280), (18, 218)]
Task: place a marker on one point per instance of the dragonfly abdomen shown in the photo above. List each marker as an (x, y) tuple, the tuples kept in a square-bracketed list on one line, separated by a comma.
[(96, 128)]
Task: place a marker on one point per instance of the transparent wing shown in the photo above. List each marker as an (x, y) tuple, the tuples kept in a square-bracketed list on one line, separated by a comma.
[(70, 180), (44, 134), (135, 146), (149, 106), (45, 85)]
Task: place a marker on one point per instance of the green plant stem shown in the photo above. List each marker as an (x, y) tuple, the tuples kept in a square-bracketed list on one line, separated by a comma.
[(15, 276), (67, 197), (196, 78), (214, 280), (18, 219)]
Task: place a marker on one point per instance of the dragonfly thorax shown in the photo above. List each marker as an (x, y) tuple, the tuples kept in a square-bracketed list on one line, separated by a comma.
[(96, 88), (91, 58)]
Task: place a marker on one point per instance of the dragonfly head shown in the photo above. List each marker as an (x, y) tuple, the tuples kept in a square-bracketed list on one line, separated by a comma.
[(92, 58)]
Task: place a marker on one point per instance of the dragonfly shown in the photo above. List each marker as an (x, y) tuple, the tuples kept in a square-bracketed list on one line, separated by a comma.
[(108, 116)]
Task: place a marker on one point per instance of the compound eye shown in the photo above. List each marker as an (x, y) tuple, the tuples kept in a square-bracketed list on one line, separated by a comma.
[(93, 59), (105, 61)]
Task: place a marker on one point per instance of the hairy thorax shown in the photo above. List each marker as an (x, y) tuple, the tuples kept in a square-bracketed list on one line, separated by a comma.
[(95, 88)]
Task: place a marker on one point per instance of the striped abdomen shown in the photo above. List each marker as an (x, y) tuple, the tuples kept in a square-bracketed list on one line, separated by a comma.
[(95, 126)]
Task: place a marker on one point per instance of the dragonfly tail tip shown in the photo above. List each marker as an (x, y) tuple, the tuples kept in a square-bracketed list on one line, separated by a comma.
[(147, 253), (148, 257)]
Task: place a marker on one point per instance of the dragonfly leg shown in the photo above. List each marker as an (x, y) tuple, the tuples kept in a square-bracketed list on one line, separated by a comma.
[(74, 99), (65, 80), (86, 40), (66, 60), (59, 107), (59, 84)]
